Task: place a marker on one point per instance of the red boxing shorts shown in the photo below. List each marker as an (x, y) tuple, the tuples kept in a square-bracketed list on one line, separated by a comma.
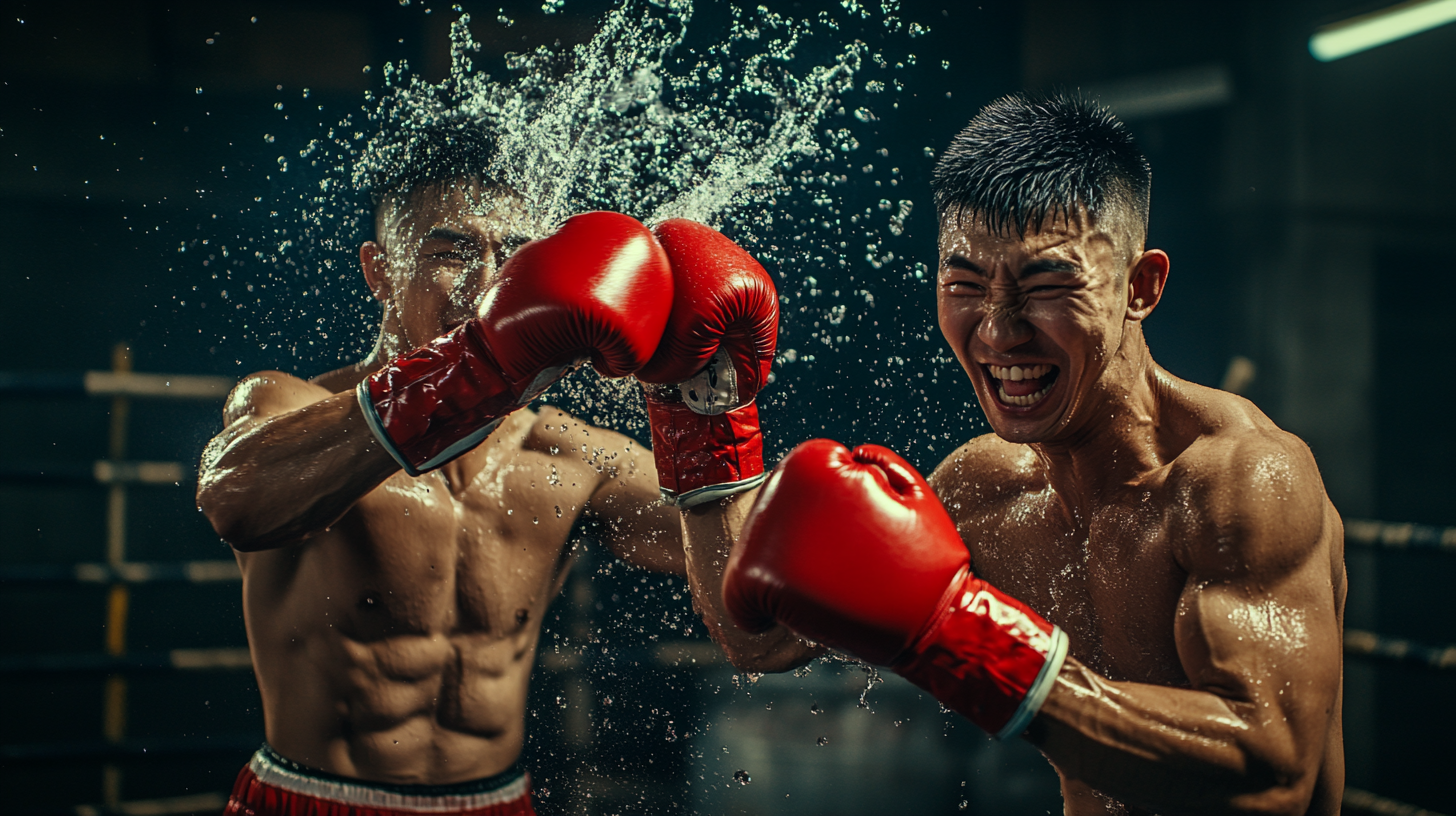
[(272, 785)]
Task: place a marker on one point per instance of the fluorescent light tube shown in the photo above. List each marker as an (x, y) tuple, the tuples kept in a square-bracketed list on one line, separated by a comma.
[(1367, 31)]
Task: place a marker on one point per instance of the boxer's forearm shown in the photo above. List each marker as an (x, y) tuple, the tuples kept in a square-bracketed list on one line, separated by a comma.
[(289, 477), (1175, 751), (709, 532)]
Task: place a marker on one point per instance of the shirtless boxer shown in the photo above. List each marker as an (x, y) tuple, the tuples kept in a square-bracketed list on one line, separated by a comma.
[(403, 523), (1178, 541)]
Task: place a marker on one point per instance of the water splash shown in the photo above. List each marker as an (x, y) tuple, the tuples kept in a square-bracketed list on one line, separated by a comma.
[(621, 122), (777, 129)]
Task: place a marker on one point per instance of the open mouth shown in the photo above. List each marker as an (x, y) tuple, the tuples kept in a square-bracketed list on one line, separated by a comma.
[(1021, 386)]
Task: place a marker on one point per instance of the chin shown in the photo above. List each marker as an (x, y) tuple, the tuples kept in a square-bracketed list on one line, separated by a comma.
[(1019, 422), (1018, 432)]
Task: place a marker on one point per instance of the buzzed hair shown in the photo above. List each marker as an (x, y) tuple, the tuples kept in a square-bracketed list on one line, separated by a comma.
[(1023, 160)]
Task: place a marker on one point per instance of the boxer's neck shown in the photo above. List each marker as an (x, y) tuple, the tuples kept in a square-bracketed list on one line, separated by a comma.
[(1118, 434), (390, 342)]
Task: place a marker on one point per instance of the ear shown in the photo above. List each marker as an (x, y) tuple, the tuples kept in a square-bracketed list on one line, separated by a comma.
[(375, 265), (1145, 281)]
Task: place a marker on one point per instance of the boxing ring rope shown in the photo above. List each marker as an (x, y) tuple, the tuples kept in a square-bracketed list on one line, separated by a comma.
[(101, 472), (129, 572), (1359, 643), (116, 474), (1399, 536), (1363, 801), (119, 382)]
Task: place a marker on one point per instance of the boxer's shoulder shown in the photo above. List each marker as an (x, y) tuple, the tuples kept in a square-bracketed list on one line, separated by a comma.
[(554, 431), (269, 393), (551, 423), (1231, 446), (988, 456), (1248, 494), (986, 471)]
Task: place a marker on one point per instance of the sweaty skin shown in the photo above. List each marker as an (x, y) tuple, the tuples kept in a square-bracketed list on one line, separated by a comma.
[(1183, 541), (393, 621)]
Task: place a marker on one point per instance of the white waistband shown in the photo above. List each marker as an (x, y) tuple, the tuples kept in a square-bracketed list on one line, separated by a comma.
[(275, 775)]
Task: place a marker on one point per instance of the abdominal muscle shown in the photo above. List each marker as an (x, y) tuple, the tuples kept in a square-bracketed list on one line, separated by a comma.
[(414, 709), (402, 659), (398, 645)]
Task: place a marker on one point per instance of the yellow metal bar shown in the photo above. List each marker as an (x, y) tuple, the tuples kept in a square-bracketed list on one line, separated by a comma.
[(111, 787), (114, 727), (113, 723), (116, 503), (116, 608), (120, 405)]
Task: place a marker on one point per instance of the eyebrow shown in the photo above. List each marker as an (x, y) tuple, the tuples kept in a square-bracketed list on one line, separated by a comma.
[(454, 236), (962, 262), (1037, 266), (1049, 265)]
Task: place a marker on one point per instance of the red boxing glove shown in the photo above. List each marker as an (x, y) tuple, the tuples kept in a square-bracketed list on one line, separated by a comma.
[(854, 550), (599, 288), (713, 359)]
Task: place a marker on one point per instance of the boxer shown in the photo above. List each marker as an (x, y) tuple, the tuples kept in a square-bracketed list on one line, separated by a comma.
[(1142, 576), (403, 523)]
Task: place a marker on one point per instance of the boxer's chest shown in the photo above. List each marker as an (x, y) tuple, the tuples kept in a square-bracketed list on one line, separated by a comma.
[(483, 557), (1112, 583)]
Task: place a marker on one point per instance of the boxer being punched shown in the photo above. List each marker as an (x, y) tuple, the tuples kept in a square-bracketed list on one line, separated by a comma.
[(1169, 536), (403, 523)]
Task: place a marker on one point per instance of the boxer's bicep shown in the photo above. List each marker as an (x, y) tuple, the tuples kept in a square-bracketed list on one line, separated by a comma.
[(291, 460), (252, 402), (1256, 623), (626, 505)]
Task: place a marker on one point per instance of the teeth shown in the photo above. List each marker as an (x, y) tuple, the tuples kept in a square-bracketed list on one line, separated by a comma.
[(1017, 373), (1029, 399)]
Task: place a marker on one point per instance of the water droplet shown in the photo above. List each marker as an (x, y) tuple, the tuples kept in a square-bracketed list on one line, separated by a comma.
[(741, 777), (823, 740)]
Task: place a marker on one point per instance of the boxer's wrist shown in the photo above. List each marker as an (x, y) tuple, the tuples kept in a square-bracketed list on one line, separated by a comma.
[(703, 457), (986, 656), (431, 405)]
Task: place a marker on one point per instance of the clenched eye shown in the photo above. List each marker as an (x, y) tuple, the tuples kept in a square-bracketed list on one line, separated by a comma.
[(963, 288)]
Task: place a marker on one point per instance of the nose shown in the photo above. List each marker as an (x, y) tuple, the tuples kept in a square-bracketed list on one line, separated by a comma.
[(470, 287), (1003, 329)]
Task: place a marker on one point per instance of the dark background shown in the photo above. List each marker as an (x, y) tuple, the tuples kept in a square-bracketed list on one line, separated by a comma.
[(1304, 206)]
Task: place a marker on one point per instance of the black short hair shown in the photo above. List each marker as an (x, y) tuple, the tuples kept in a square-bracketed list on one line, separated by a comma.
[(405, 156), (1022, 160)]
